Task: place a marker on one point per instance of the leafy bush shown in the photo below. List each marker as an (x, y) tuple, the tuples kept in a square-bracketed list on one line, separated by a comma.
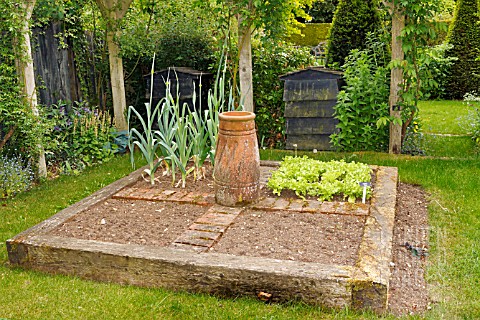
[(438, 65), (77, 137), (270, 61), (353, 20), (14, 176), (464, 35), (362, 104), (186, 48), (323, 179)]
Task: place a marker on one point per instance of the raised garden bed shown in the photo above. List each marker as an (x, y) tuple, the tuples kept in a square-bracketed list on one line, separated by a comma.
[(328, 253)]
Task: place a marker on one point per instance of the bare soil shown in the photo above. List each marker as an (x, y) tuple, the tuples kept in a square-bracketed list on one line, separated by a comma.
[(330, 239), (325, 238)]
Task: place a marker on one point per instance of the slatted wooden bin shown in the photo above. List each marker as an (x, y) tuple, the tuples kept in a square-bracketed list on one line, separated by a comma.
[(310, 96), (186, 80)]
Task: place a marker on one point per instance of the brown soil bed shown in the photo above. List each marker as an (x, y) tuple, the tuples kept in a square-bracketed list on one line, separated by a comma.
[(132, 222), (328, 239), (304, 237)]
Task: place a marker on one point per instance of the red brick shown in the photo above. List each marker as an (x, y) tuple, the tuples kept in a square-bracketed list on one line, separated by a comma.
[(296, 205), (207, 227), (357, 209), (226, 210), (145, 194), (328, 207), (216, 219), (313, 206), (264, 203), (177, 196), (195, 238), (280, 204), (160, 196), (122, 193), (192, 197)]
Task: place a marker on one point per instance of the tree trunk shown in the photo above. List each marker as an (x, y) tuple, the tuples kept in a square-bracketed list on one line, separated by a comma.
[(398, 23), (113, 11), (27, 76), (117, 81), (245, 65)]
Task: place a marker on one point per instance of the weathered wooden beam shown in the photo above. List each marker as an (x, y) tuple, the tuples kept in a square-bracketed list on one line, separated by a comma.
[(398, 24)]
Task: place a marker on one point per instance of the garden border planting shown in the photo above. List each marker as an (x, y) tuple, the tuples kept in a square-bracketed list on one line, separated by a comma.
[(364, 285)]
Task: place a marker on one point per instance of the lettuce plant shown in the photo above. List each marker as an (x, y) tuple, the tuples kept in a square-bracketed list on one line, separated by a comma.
[(309, 177)]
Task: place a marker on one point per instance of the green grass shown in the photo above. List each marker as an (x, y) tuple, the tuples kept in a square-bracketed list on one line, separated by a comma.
[(451, 177), (445, 125), (445, 117)]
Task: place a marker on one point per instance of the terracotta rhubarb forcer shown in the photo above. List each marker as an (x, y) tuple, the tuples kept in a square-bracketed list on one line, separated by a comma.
[(237, 160)]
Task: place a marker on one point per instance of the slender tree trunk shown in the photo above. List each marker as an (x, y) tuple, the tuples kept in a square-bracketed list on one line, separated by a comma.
[(117, 82), (113, 11), (245, 65), (398, 23), (27, 76)]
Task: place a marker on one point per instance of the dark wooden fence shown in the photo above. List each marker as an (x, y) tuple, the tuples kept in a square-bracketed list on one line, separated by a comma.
[(55, 71)]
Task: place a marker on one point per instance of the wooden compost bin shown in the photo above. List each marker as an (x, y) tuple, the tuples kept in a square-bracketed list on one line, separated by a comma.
[(186, 80), (310, 96)]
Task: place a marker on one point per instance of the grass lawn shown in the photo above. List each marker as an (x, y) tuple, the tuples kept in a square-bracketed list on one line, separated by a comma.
[(453, 271), (444, 116)]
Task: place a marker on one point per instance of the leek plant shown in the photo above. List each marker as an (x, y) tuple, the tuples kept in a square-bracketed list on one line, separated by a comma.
[(217, 103), (146, 140), (199, 139), (183, 135)]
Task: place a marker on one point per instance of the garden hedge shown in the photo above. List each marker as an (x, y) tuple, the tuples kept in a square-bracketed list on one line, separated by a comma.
[(464, 35), (353, 20)]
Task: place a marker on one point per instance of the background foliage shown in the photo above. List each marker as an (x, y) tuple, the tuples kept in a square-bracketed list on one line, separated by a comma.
[(15, 113), (322, 11), (311, 34), (363, 102)]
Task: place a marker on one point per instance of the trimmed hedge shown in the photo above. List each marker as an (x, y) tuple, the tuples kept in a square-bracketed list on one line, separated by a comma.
[(311, 35), (353, 20), (464, 35)]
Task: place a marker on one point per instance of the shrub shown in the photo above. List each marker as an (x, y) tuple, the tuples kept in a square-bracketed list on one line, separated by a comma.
[(270, 61), (464, 35), (185, 48), (438, 64), (14, 176), (77, 137), (353, 20), (362, 103)]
